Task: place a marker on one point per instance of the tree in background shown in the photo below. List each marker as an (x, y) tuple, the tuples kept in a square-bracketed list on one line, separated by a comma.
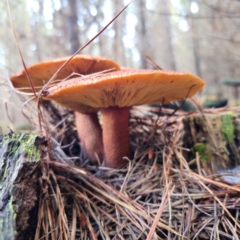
[(197, 36), (73, 26)]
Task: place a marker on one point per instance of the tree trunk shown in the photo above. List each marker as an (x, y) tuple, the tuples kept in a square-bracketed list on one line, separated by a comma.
[(143, 33), (20, 169), (168, 31), (119, 26), (216, 139), (73, 26), (196, 51)]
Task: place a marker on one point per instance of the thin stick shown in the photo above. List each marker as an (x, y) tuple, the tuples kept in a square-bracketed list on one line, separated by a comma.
[(19, 50)]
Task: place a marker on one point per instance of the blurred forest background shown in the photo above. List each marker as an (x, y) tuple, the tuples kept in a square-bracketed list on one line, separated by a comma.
[(197, 36)]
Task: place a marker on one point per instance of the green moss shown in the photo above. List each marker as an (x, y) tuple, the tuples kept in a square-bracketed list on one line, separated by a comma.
[(31, 149), (23, 143), (201, 148), (11, 211), (228, 127)]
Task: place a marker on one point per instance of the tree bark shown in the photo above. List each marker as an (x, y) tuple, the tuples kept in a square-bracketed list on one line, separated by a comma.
[(196, 47), (119, 27), (216, 139), (73, 26), (169, 37), (20, 170), (143, 33)]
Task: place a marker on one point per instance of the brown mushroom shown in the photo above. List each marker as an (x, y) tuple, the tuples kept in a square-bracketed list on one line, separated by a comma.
[(88, 127), (115, 93), (41, 73)]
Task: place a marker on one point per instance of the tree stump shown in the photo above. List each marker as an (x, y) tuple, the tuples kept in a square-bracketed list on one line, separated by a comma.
[(20, 170), (216, 139)]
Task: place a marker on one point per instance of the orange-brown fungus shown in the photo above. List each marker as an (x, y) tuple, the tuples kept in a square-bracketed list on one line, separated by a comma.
[(88, 127), (115, 92), (42, 72), (125, 88)]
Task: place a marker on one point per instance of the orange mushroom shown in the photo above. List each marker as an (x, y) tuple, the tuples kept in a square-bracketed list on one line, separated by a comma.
[(115, 93), (41, 73), (88, 127)]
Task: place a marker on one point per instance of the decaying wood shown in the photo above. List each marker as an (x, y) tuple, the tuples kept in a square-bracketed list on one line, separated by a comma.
[(216, 138), (20, 170)]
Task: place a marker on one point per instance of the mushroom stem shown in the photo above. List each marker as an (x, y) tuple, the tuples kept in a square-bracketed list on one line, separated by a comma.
[(90, 134), (116, 138)]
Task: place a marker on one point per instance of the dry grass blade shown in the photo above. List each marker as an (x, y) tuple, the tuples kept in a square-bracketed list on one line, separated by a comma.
[(118, 198), (208, 180), (74, 223), (19, 50), (222, 205), (165, 198), (204, 224)]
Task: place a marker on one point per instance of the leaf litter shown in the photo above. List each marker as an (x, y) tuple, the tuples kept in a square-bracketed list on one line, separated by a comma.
[(158, 195)]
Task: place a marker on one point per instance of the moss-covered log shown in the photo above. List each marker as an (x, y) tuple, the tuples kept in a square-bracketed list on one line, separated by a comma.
[(20, 169), (216, 138)]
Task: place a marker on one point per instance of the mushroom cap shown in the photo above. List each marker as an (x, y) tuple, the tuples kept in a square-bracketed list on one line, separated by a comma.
[(42, 72), (125, 88)]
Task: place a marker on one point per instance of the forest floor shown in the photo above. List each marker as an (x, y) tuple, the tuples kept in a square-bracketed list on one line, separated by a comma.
[(161, 194)]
